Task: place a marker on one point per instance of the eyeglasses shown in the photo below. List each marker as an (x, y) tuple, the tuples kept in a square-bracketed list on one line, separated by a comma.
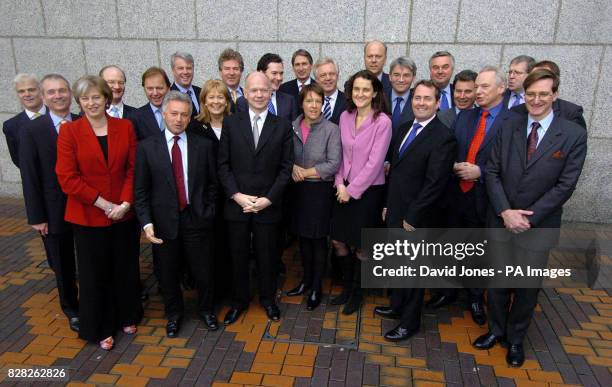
[(514, 72), (541, 95)]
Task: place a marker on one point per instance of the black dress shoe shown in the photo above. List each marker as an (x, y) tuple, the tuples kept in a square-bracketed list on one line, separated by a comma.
[(298, 290), (386, 312), (232, 316), (515, 356), (487, 341), (341, 298), (314, 299), (478, 313), (172, 328), (210, 321), (398, 334), (439, 300), (74, 323), (273, 312), (353, 304)]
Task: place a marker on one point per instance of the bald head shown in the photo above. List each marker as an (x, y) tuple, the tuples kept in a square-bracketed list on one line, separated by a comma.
[(375, 56), (258, 91)]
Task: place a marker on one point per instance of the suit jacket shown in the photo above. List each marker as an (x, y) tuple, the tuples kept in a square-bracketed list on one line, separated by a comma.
[(155, 192), (265, 171), (542, 184), (291, 87), (84, 174), (286, 106), (44, 199), (386, 83), (563, 109), (339, 107), (448, 117), (406, 115), (464, 129), (205, 130), (11, 129), (197, 91), (129, 112), (418, 178), (233, 107), (144, 122)]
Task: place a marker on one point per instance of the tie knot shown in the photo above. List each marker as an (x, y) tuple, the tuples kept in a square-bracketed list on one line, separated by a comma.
[(176, 138), (443, 92), (535, 125), (399, 99), (327, 99), (416, 126), (188, 92), (484, 113)]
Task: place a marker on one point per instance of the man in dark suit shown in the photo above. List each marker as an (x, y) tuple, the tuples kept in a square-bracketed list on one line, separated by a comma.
[(255, 162), (182, 72), (562, 108), (44, 200), (441, 67), (401, 74), (175, 187), (301, 61), (467, 201), (464, 96), (148, 120), (115, 78), (231, 66), (326, 74), (374, 59), (422, 162), (532, 171), (520, 66), (30, 98), (280, 104)]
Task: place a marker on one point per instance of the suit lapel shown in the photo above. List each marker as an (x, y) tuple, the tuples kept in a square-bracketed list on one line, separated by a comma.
[(192, 161), (164, 159), (266, 131), (520, 140), (246, 130), (150, 120), (550, 137), (88, 133), (501, 116)]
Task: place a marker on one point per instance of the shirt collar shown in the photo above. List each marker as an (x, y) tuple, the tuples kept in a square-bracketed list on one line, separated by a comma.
[(394, 95), (424, 123), (494, 111), (154, 108), (119, 106), (544, 123), (170, 136), (262, 116), (183, 89), (333, 96), (57, 119), (41, 111)]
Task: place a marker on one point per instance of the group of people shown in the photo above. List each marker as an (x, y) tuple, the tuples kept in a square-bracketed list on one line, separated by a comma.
[(214, 176)]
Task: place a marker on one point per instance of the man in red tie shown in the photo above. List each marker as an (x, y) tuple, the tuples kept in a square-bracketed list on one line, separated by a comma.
[(175, 186), (475, 130)]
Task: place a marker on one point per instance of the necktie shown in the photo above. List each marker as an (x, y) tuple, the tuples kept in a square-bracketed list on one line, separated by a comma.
[(532, 142), (158, 118), (397, 111), (443, 101), (410, 138), (327, 112), (114, 112), (62, 122), (517, 100), (479, 136), (35, 116), (256, 130), (179, 177), (300, 85), (234, 96), (271, 107)]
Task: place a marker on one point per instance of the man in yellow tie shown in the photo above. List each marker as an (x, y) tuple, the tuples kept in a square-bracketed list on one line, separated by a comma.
[(231, 66)]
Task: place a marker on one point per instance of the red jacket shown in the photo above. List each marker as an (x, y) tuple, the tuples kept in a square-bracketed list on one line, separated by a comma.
[(83, 172)]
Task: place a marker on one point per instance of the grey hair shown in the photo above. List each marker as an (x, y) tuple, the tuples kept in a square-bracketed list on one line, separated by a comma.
[(175, 95), (439, 54), (183, 55), (404, 61), (57, 77), (24, 77), (323, 61), (500, 78)]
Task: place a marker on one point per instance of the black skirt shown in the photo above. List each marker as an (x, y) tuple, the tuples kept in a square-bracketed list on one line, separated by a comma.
[(349, 218), (312, 208)]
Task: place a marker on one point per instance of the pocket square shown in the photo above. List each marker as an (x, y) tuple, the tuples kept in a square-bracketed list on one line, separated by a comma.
[(558, 155)]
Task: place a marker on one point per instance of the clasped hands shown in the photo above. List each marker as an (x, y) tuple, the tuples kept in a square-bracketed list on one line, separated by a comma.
[(467, 171), (342, 194), (250, 203), (111, 210), (516, 221)]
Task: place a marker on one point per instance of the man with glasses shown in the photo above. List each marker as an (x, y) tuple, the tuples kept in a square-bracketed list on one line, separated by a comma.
[(115, 78), (520, 66)]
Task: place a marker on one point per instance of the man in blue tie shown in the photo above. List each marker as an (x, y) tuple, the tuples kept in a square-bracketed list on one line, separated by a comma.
[(520, 67), (441, 67), (115, 78), (148, 119), (401, 74), (182, 65)]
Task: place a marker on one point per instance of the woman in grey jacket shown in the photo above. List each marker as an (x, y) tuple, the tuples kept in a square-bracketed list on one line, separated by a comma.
[(318, 154)]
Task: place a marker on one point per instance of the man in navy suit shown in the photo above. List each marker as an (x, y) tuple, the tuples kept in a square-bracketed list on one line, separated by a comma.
[(30, 98), (402, 72), (520, 67), (533, 169), (181, 64), (441, 67), (148, 119), (301, 61), (464, 96), (326, 73), (231, 66), (280, 104), (115, 78), (374, 59), (44, 200)]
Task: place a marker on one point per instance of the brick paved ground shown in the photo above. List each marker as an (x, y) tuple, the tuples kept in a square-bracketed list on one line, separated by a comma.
[(569, 341)]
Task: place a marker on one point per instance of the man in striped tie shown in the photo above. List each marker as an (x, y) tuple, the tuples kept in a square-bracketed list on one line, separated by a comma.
[(30, 98), (326, 74)]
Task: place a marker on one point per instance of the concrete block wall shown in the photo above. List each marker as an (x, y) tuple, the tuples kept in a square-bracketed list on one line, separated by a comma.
[(75, 37)]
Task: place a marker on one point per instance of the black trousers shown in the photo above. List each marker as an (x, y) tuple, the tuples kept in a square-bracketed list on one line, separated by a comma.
[(194, 248), (265, 245), (109, 279), (60, 256), (314, 254), (408, 303)]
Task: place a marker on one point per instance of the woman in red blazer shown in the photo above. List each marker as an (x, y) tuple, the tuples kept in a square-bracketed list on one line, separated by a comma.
[(95, 168)]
